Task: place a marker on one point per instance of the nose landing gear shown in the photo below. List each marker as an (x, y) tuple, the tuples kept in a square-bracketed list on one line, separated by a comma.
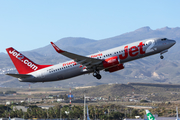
[(161, 57)]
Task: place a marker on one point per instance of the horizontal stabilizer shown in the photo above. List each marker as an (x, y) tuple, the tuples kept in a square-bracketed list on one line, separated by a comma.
[(19, 75)]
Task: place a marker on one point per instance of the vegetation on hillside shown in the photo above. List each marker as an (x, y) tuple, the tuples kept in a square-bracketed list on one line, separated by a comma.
[(103, 111), (163, 93)]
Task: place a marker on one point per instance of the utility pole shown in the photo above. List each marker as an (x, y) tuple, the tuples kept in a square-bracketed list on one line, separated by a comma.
[(177, 117), (125, 113), (29, 96), (95, 113), (47, 113), (59, 112), (70, 96), (108, 114), (23, 115), (84, 106)]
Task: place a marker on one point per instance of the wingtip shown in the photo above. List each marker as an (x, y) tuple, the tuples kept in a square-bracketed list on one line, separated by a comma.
[(56, 48)]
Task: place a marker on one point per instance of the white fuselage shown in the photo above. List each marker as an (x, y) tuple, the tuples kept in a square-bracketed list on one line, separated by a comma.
[(126, 53)]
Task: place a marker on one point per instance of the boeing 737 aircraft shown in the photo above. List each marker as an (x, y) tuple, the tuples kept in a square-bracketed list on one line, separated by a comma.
[(110, 60)]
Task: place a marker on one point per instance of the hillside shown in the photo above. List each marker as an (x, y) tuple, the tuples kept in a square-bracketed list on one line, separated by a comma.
[(151, 69), (153, 92), (106, 90)]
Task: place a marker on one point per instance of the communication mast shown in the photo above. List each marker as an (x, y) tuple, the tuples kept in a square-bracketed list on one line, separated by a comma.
[(29, 97)]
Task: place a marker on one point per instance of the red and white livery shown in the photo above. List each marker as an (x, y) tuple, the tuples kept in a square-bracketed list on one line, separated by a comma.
[(110, 60)]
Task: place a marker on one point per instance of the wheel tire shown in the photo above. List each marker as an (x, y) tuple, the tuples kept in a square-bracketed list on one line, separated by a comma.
[(94, 74), (98, 76), (161, 57)]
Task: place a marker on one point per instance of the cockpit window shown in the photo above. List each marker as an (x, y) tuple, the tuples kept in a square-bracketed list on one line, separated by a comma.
[(163, 39)]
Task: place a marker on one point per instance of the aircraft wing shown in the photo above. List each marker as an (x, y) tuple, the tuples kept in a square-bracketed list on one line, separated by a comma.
[(83, 60)]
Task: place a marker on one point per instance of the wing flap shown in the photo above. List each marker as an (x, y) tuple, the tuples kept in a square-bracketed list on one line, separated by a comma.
[(19, 75)]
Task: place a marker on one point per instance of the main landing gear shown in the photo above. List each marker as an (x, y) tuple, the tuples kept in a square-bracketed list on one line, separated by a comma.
[(161, 57), (96, 74)]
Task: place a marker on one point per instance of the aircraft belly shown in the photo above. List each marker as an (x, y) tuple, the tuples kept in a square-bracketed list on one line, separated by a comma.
[(60, 75), (64, 74), (72, 72)]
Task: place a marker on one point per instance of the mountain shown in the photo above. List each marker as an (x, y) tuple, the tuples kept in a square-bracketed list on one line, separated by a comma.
[(149, 69)]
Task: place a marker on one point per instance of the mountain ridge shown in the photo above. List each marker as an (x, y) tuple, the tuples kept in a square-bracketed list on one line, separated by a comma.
[(85, 46)]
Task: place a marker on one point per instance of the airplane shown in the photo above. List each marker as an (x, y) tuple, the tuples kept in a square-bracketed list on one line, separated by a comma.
[(149, 115), (110, 60)]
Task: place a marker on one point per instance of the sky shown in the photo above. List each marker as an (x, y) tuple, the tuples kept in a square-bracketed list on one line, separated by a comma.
[(31, 24)]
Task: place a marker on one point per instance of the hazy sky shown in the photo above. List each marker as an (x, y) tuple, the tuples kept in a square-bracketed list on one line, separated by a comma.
[(30, 24)]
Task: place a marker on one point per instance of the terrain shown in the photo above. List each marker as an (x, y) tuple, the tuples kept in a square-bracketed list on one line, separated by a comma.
[(112, 92), (149, 70)]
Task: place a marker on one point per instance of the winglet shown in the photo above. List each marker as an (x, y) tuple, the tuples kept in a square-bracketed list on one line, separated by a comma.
[(56, 48)]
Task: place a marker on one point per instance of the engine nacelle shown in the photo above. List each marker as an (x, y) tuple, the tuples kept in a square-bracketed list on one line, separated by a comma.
[(111, 62), (116, 68)]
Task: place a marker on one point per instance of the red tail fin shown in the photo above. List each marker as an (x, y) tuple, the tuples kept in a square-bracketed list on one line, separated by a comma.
[(22, 63)]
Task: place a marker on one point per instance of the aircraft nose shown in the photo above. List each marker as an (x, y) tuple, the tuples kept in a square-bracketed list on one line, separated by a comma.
[(173, 42)]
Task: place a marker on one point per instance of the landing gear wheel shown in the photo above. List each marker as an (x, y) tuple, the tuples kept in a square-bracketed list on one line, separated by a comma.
[(161, 57), (98, 76), (95, 74)]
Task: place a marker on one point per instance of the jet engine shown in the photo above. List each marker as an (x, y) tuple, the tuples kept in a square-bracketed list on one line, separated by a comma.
[(112, 64), (115, 68)]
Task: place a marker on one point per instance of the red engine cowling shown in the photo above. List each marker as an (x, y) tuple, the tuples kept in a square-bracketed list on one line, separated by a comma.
[(116, 68), (110, 62)]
